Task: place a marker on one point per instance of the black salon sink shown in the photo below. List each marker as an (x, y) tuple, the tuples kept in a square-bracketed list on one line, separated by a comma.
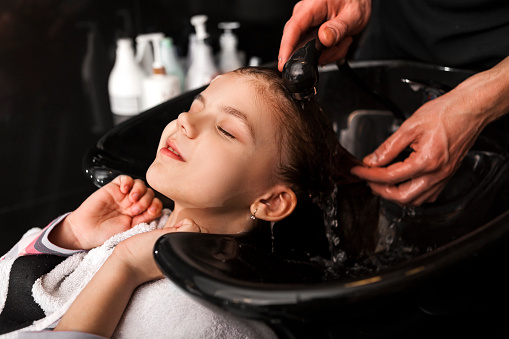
[(380, 271)]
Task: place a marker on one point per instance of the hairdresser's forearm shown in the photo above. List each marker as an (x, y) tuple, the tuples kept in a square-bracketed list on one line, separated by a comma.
[(100, 305), (488, 93)]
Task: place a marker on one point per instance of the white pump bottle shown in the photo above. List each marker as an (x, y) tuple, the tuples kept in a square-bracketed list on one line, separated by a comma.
[(202, 69), (124, 83), (159, 86), (229, 58)]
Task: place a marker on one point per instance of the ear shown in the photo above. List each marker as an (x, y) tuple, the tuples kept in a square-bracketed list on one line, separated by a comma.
[(276, 204)]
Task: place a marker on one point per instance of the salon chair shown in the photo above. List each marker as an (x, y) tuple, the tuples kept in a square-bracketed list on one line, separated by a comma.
[(385, 271)]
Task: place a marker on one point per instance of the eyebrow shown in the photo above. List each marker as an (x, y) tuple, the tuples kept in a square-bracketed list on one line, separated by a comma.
[(234, 112)]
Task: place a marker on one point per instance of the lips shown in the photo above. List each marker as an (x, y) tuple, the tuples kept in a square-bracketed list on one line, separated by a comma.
[(172, 151)]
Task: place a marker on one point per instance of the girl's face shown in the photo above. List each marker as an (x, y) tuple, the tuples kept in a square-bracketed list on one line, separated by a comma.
[(220, 155)]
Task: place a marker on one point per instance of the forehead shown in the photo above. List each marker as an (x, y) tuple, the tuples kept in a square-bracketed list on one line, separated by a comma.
[(243, 92)]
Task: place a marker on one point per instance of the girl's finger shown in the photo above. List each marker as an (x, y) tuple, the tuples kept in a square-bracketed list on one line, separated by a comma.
[(152, 212), (124, 182), (138, 190)]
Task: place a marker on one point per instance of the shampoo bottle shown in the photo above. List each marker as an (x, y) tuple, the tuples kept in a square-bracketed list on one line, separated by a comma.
[(170, 60), (202, 69), (124, 83), (159, 86), (229, 58)]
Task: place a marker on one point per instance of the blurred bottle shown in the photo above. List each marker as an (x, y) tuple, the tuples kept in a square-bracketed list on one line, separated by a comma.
[(124, 83), (159, 86), (202, 69), (229, 57), (144, 55), (170, 60)]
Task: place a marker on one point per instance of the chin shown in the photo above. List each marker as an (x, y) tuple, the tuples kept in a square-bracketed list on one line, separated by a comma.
[(150, 176)]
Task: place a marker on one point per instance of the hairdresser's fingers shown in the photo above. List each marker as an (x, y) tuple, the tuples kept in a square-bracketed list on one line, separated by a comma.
[(306, 14), (393, 146), (427, 197), (393, 174), (336, 20), (336, 52), (345, 18), (414, 192)]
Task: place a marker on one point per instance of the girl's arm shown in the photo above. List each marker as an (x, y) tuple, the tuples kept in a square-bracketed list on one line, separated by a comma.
[(100, 305), (114, 208)]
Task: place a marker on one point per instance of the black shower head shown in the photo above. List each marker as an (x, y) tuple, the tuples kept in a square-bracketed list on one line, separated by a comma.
[(300, 73)]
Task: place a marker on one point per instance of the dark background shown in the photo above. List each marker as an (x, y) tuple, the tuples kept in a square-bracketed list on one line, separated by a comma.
[(55, 58)]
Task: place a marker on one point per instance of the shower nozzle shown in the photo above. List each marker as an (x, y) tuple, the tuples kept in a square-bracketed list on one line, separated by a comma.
[(300, 73)]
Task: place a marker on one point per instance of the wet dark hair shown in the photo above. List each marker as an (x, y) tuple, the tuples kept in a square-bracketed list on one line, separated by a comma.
[(310, 156)]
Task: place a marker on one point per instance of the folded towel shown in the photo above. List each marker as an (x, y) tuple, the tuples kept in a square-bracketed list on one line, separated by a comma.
[(160, 309)]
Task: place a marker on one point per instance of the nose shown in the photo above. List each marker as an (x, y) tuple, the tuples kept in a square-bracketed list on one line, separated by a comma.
[(186, 125)]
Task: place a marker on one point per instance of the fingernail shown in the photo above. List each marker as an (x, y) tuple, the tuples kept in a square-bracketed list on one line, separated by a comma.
[(178, 224), (370, 159), (135, 210), (135, 196), (330, 35)]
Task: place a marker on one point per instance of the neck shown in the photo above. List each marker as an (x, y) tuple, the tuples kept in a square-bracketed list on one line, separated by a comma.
[(215, 220)]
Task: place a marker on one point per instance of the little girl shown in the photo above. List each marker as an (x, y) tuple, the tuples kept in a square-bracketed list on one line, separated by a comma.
[(245, 153)]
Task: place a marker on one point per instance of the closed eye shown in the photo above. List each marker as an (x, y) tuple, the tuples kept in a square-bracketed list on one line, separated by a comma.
[(225, 133)]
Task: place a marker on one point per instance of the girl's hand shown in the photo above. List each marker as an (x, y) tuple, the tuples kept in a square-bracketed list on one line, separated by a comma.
[(114, 208), (136, 253)]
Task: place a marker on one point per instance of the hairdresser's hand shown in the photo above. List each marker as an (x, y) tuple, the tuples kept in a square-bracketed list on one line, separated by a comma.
[(440, 134), (336, 20), (116, 207)]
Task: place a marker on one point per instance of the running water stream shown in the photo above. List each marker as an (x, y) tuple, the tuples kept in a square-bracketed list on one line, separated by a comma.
[(389, 250)]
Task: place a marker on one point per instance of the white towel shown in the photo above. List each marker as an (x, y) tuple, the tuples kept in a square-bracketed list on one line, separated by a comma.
[(158, 309)]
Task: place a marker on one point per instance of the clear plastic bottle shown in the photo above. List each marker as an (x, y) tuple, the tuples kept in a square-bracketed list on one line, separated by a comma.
[(170, 60), (229, 58), (124, 83), (202, 69)]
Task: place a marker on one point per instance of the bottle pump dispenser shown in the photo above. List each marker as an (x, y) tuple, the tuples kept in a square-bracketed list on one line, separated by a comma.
[(202, 69), (229, 58)]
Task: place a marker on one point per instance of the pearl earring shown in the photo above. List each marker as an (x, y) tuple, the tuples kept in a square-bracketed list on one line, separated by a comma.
[(253, 217)]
